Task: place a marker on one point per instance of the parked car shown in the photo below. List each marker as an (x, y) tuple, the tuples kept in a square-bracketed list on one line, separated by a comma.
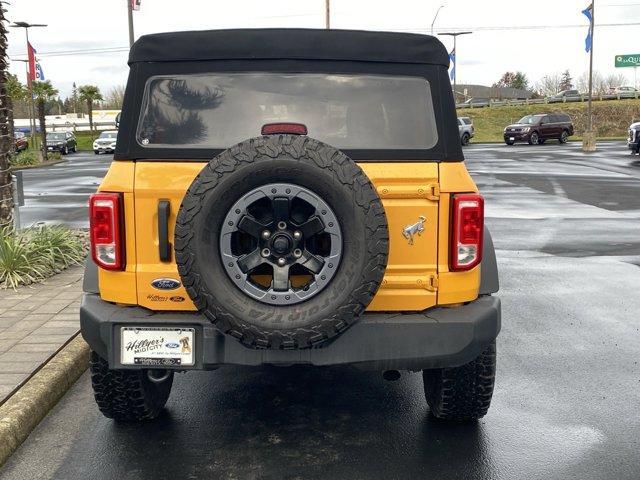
[(624, 92), (21, 141), (106, 142), (477, 102), (565, 96), (537, 129), (118, 120), (466, 130), (633, 142), (235, 235), (63, 142)]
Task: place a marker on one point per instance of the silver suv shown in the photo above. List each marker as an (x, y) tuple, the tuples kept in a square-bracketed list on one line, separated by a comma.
[(466, 130)]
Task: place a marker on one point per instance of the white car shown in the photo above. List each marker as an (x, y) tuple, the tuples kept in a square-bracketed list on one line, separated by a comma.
[(106, 142), (624, 92)]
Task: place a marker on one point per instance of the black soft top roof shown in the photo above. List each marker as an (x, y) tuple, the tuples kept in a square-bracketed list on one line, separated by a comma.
[(282, 43)]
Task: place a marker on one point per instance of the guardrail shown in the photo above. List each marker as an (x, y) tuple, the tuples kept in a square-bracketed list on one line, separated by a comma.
[(539, 101), (71, 127)]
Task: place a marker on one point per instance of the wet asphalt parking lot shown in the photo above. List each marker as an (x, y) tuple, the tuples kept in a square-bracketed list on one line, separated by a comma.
[(567, 400)]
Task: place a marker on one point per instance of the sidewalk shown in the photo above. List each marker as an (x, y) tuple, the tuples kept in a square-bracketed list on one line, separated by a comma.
[(35, 322)]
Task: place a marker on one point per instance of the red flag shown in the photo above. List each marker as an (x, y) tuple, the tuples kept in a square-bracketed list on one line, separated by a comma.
[(32, 63), (135, 4)]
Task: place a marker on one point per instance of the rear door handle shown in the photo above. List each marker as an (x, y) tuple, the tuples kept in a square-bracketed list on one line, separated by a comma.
[(164, 246)]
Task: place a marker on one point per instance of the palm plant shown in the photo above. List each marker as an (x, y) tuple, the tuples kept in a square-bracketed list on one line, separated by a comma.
[(43, 92), (89, 94), (16, 91), (6, 137)]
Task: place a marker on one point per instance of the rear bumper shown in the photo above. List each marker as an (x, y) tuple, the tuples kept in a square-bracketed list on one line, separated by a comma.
[(439, 337)]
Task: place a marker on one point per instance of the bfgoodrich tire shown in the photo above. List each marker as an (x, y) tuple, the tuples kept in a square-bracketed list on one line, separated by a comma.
[(462, 393), (127, 395), (281, 162)]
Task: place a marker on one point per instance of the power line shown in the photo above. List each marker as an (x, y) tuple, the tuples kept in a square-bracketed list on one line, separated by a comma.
[(104, 50)]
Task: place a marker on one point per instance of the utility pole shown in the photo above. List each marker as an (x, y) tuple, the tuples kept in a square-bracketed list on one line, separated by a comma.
[(32, 109), (435, 16), (327, 14), (455, 58), (591, 67), (130, 17), (589, 138)]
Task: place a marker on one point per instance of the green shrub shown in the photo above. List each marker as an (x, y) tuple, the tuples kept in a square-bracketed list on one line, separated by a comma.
[(34, 254), (24, 159)]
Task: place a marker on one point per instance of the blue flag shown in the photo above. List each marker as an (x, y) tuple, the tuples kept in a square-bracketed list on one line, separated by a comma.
[(452, 58), (39, 73), (588, 12)]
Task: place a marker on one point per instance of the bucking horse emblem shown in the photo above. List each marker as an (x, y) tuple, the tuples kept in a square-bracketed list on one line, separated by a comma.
[(414, 229)]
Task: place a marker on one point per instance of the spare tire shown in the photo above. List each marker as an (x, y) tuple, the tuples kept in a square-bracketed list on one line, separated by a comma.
[(281, 241)]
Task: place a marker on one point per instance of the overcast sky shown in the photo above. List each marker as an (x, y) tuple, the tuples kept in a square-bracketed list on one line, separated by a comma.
[(492, 49)]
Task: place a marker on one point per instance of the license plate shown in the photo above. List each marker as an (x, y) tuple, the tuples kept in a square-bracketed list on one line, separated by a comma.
[(156, 346), (512, 139)]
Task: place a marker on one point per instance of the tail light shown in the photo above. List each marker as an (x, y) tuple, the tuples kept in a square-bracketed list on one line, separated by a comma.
[(105, 225), (467, 228)]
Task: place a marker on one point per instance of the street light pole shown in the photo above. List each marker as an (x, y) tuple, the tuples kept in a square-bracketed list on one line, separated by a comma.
[(435, 16), (130, 18), (32, 109), (31, 120), (455, 59), (327, 14)]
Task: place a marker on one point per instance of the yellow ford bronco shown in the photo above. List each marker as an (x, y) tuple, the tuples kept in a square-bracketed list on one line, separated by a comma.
[(283, 197)]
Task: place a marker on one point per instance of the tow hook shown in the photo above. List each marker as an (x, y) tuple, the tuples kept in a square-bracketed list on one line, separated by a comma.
[(391, 375), (158, 376)]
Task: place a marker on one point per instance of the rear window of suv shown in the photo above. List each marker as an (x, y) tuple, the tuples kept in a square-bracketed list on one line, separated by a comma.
[(219, 110)]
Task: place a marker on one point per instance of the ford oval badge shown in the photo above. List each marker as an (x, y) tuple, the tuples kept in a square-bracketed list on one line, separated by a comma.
[(165, 283)]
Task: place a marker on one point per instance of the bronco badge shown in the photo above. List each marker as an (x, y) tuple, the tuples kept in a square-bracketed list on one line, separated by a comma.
[(165, 283), (414, 229)]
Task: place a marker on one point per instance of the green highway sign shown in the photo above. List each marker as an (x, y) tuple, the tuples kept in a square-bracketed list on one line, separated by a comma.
[(628, 60)]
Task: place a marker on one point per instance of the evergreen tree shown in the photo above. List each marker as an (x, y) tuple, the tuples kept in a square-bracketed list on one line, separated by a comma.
[(566, 81)]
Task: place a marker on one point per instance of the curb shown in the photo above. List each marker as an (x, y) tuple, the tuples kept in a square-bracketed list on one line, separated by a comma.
[(24, 410), (41, 165)]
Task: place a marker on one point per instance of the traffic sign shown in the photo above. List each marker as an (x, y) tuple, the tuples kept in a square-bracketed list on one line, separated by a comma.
[(632, 60)]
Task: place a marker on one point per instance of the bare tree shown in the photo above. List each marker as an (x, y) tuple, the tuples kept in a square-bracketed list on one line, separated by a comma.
[(114, 98), (549, 84), (615, 80), (599, 83)]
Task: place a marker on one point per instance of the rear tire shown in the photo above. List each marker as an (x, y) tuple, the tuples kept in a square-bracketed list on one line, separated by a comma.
[(462, 393), (127, 395), (465, 139), (564, 136)]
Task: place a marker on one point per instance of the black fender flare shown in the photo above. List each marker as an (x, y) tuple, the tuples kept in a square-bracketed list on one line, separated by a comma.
[(90, 280), (489, 267)]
